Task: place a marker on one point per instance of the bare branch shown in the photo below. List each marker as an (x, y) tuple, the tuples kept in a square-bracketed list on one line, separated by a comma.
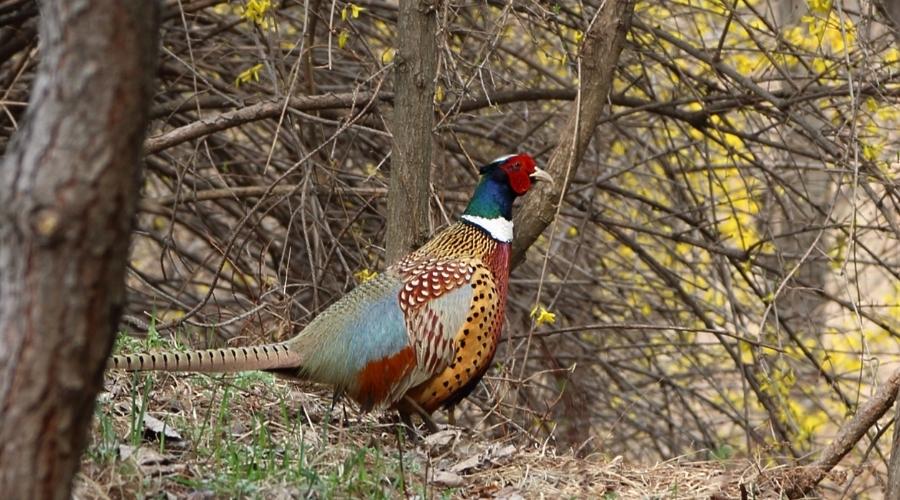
[(260, 111), (866, 416)]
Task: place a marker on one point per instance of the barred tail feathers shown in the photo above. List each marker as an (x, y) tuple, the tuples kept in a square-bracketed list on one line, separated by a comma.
[(229, 359)]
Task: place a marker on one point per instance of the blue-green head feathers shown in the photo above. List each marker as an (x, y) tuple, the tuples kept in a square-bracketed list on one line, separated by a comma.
[(502, 181)]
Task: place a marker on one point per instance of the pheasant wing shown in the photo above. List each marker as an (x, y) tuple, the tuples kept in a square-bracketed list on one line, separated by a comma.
[(390, 333), (436, 299)]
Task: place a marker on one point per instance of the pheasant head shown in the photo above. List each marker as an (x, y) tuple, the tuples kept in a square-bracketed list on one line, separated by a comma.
[(502, 181)]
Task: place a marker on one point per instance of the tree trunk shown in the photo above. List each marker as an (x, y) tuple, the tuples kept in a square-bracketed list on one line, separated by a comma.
[(599, 55), (893, 486), (798, 307), (890, 9), (68, 187), (414, 70)]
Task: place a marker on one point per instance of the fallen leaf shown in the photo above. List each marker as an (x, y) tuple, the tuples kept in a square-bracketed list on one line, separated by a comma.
[(467, 464), (146, 456), (201, 495), (163, 470), (125, 451), (447, 479), (509, 493), (503, 452), (155, 428), (150, 461), (441, 441), (491, 455)]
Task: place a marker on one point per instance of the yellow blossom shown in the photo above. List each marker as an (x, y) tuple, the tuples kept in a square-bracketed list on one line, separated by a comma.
[(542, 316), (249, 74), (892, 55), (256, 11), (351, 10), (364, 274), (870, 152), (160, 223), (646, 309), (387, 56), (343, 36), (821, 6)]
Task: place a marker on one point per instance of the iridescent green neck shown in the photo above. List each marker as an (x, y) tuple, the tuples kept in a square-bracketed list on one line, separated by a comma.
[(493, 198)]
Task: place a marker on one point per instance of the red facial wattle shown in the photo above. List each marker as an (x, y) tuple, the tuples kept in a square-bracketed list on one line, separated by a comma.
[(518, 170)]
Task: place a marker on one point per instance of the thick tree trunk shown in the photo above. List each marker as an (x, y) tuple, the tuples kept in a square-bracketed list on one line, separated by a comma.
[(599, 55), (68, 187), (415, 66), (800, 308)]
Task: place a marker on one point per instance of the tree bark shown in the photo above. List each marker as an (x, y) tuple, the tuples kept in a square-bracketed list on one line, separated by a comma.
[(599, 56), (798, 307), (68, 188), (414, 70), (890, 9), (893, 486), (847, 437)]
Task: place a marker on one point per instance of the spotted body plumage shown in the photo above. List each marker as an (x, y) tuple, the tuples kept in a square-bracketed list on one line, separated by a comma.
[(418, 336), (476, 342), (461, 357)]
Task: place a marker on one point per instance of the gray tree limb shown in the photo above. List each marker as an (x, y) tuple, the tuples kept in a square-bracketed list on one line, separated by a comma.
[(890, 9), (259, 111), (599, 55), (866, 416)]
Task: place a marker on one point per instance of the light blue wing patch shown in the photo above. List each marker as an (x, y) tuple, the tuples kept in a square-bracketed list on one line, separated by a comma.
[(363, 326)]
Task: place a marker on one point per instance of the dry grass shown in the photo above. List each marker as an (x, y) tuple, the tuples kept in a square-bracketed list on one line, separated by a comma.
[(252, 435)]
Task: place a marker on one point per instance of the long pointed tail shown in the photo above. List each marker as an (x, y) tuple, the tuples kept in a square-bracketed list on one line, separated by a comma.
[(229, 359)]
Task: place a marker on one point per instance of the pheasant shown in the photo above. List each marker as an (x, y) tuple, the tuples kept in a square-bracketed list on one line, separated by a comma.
[(416, 337)]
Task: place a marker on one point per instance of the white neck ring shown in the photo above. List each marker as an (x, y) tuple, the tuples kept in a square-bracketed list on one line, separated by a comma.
[(499, 228)]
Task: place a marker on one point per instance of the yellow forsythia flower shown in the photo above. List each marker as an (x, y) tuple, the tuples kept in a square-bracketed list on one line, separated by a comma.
[(249, 74), (256, 11), (822, 6), (342, 39), (364, 275), (541, 316), (388, 55), (351, 10)]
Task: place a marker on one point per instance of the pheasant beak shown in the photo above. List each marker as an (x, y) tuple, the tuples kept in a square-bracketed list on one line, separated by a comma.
[(541, 175)]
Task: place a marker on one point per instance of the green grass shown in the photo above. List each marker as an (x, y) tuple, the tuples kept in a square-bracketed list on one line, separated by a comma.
[(250, 435), (244, 435)]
